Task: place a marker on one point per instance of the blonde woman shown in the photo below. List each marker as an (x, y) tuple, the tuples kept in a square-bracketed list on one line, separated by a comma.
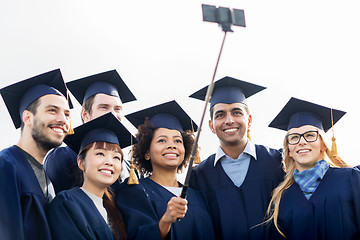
[(319, 197)]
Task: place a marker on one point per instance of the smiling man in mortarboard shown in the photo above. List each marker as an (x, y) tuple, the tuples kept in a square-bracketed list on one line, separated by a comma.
[(238, 180), (99, 94), (38, 105)]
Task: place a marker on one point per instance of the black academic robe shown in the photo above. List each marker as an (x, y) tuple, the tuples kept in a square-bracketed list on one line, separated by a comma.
[(61, 167), (144, 204), (236, 211), (73, 215), (23, 204), (332, 212)]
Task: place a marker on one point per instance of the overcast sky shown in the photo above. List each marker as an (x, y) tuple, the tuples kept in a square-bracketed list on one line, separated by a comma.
[(164, 51)]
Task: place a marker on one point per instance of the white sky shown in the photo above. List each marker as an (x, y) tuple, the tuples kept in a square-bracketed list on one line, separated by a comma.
[(164, 51)]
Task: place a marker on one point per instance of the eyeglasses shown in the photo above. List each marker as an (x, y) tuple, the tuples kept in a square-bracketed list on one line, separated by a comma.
[(309, 136)]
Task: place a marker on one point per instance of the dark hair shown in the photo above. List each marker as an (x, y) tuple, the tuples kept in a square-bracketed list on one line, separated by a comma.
[(212, 110), (145, 135), (87, 105), (31, 108), (115, 218)]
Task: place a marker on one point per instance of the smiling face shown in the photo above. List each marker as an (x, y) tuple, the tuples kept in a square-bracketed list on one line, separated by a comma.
[(306, 154), (166, 149), (230, 123), (103, 104), (51, 121), (101, 167)]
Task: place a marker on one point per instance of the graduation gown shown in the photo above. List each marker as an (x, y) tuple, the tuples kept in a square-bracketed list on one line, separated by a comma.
[(23, 204), (144, 204), (235, 211), (73, 215), (60, 166), (332, 212)]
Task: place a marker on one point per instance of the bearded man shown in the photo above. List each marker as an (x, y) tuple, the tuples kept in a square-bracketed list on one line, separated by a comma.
[(39, 107)]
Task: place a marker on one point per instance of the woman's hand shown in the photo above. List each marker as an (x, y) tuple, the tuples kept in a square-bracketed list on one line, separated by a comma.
[(176, 209)]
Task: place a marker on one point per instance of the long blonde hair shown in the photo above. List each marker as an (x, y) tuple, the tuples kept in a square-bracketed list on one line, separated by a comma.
[(289, 166)]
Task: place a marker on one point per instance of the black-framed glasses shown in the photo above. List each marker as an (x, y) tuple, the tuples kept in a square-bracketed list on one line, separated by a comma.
[(309, 136)]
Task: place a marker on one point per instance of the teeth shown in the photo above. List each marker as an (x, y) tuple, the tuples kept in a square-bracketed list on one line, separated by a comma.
[(106, 171), (171, 155), (58, 130), (303, 151), (230, 130)]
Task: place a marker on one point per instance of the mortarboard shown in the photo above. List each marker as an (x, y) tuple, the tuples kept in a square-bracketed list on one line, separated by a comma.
[(20, 95), (167, 115), (109, 83), (297, 113), (106, 128), (229, 90)]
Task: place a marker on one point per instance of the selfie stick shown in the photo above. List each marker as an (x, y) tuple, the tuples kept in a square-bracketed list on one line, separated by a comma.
[(224, 17)]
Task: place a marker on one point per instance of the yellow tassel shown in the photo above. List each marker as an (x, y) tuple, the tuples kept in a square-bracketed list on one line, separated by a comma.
[(248, 134), (132, 178), (71, 130), (197, 159), (333, 151)]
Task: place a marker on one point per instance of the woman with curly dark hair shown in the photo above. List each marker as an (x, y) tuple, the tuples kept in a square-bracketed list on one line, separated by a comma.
[(151, 208)]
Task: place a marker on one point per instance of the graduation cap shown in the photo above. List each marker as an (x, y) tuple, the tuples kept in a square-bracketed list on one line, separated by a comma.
[(297, 113), (229, 90), (109, 83), (106, 128), (167, 115), (20, 95)]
